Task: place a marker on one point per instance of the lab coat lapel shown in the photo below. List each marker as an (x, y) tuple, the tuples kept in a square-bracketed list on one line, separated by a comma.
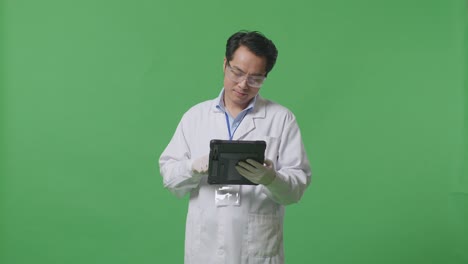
[(248, 124), (220, 130)]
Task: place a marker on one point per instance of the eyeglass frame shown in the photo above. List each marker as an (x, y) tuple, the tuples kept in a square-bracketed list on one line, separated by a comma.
[(243, 77)]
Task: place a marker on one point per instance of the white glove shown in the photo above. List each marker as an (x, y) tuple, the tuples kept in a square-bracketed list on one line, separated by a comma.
[(200, 165), (257, 172)]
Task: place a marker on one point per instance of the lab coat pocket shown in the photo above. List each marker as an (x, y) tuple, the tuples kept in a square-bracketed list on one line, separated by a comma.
[(264, 234)]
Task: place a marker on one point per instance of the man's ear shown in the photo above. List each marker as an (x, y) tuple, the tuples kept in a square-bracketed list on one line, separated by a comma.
[(224, 63)]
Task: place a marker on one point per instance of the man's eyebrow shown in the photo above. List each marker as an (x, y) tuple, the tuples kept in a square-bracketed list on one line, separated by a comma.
[(243, 72), (258, 74), (238, 69)]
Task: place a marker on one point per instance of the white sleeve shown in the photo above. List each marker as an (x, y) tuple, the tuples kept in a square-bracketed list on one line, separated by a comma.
[(175, 165), (293, 171)]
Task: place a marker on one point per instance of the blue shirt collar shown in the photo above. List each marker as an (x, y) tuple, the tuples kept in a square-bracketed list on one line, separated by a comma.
[(221, 106)]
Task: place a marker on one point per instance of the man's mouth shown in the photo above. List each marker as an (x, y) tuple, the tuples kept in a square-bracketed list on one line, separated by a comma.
[(239, 93)]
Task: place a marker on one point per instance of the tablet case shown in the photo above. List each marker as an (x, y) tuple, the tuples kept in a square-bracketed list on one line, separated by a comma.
[(225, 154)]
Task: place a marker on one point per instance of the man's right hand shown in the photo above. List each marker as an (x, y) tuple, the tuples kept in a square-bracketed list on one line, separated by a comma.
[(200, 165)]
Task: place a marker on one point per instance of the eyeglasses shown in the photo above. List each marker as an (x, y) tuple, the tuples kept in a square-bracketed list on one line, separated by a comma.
[(237, 77)]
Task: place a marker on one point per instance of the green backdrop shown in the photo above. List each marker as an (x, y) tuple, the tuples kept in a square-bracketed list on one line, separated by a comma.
[(91, 92)]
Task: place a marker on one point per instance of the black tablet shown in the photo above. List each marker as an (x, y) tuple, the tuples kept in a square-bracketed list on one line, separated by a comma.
[(225, 154)]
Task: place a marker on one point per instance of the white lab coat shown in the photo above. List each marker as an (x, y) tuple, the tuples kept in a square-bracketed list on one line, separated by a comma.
[(253, 231)]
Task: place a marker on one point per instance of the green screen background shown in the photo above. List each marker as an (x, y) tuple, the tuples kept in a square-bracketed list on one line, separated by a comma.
[(91, 92)]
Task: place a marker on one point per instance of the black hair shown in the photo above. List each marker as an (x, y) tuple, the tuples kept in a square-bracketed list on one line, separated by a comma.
[(257, 43)]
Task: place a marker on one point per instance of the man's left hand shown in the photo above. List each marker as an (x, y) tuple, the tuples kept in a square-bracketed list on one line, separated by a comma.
[(256, 172)]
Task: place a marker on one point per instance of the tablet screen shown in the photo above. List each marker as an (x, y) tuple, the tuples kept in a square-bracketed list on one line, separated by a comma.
[(224, 156)]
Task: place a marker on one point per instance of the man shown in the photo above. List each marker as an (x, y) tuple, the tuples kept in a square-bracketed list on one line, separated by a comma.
[(249, 227)]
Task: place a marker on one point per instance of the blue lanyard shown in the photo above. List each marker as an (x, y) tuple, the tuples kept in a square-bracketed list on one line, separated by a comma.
[(229, 125)]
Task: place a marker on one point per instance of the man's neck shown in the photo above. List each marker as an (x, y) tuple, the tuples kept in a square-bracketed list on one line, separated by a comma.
[(234, 109)]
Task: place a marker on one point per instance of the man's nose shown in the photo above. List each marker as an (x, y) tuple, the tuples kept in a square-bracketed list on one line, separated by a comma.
[(243, 84)]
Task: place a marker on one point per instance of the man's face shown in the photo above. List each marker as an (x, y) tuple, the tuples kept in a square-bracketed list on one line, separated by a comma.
[(244, 63)]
